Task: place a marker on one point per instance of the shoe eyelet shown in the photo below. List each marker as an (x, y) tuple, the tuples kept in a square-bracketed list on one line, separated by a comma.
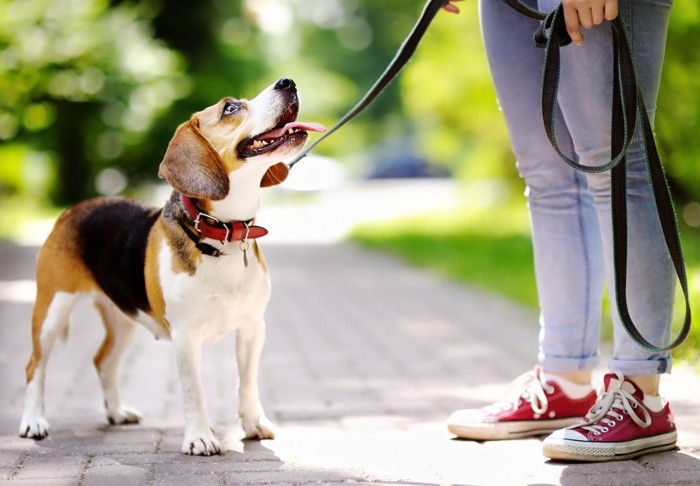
[(619, 417), (605, 429), (596, 433), (612, 423)]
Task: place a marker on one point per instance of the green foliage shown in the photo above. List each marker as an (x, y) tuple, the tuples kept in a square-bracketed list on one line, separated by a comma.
[(488, 248), (448, 93), (678, 113), (97, 84), (83, 79)]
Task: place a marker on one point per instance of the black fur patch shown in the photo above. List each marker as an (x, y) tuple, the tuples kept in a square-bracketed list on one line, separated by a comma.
[(112, 238)]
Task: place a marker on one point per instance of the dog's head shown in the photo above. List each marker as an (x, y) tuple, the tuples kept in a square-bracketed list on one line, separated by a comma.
[(250, 135)]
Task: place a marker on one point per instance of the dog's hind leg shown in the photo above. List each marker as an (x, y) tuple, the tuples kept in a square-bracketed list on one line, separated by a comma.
[(119, 332), (249, 344), (50, 319)]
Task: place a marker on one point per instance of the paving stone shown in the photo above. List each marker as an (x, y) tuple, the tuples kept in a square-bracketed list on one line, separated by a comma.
[(50, 466), (117, 476), (364, 360)]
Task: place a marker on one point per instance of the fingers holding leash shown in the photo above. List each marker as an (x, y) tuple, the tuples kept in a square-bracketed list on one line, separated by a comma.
[(449, 7), (586, 14)]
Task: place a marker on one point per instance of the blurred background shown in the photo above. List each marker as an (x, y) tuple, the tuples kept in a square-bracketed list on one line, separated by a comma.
[(92, 91)]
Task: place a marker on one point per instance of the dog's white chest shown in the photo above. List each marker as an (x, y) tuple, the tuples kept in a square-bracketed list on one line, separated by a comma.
[(221, 296)]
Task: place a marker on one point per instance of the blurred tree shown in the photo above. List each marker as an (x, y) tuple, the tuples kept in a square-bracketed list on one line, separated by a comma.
[(447, 91), (335, 50), (103, 84), (678, 113), (84, 81), (221, 54)]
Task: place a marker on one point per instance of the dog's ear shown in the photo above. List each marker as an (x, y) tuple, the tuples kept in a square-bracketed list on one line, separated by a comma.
[(275, 175), (192, 166)]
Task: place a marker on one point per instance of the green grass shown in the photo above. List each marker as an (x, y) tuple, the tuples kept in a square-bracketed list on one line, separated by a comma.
[(490, 248)]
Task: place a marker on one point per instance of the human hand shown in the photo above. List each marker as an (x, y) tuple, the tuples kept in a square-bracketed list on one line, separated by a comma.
[(452, 8), (586, 14)]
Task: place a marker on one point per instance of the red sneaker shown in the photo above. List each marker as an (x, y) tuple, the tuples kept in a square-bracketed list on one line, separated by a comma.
[(531, 407), (618, 427)]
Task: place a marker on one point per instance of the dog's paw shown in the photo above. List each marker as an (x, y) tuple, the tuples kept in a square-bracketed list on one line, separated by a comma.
[(34, 427), (201, 445), (260, 428), (123, 415)]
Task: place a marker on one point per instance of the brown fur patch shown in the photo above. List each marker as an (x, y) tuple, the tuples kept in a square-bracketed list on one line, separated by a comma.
[(59, 268), (151, 272), (259, 255), (192, 166), (108, 341)]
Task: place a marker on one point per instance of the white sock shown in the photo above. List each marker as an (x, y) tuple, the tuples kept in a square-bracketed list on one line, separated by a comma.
[(572, 390), (654, 403)]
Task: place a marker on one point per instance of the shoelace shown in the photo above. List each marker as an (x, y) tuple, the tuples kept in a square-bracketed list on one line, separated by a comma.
[(604, 415), (527, 387)]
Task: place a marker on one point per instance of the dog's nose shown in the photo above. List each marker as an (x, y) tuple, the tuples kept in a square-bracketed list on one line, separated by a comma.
[(286, 84)]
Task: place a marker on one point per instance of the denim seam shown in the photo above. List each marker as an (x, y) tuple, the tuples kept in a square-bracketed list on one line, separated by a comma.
[(587, 266)]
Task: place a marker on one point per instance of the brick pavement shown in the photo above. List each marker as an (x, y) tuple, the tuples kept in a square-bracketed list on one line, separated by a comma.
[(365, 358)]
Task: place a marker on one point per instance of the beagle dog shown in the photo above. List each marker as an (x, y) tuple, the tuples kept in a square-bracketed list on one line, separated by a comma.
[(189, 272)]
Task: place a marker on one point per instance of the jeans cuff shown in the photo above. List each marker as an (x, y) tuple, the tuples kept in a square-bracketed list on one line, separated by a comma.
[(640, 367), (565, 365)]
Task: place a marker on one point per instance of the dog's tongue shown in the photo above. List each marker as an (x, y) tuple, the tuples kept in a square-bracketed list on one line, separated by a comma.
[(307, 127)]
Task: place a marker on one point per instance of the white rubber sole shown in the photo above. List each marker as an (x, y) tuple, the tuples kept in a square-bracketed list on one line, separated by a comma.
[(578, 450), (509, 430)]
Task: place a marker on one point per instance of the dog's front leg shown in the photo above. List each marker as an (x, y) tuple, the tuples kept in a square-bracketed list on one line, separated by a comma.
[(249, 344), (199, 436)]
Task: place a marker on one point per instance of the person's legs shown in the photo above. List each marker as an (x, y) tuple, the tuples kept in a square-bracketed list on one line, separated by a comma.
[(566, 244), (566, 233), (629, 419), (565, 230), (585, 98)]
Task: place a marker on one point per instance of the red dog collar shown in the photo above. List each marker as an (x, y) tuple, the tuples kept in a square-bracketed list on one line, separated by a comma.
[(211, 227)]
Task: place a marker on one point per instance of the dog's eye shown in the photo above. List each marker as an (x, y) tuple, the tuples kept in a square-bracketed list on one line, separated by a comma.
[(230, 108)]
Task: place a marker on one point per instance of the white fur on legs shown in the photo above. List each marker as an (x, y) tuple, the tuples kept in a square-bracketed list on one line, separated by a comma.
[(249, 344), (199, 437), (120, 331), (33, 424)]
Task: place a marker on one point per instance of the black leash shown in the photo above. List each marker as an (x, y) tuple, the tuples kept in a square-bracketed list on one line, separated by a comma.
[(626, 104), (402, 56)]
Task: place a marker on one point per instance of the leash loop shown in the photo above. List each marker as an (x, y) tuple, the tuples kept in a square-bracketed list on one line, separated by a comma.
[(554, 21)]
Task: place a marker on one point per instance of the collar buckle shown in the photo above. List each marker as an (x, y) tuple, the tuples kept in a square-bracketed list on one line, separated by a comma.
[(198, 221)]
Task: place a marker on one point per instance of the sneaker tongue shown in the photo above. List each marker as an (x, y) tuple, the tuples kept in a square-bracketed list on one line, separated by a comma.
[(615, 382)]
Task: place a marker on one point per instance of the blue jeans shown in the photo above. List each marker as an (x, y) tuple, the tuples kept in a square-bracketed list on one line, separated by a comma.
[(569, 210)]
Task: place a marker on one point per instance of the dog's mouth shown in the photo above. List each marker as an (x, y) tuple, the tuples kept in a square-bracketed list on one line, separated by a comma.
[(287, 132)]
